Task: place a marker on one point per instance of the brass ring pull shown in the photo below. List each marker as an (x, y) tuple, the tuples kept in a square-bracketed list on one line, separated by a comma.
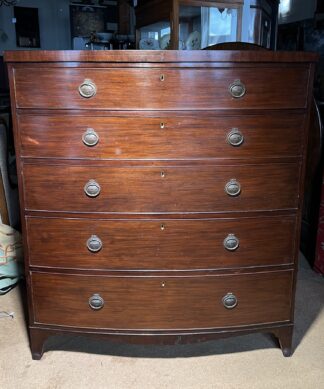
[(94, 244), (235, 137), (233, 188), (90, 138), (229, 301), (87, 89), (237, 89), (96, 302), (231, 242), (92, 188)]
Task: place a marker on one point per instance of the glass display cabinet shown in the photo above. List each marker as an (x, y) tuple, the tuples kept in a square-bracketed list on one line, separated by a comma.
[(197, 24), (187, 24), (263, 23)]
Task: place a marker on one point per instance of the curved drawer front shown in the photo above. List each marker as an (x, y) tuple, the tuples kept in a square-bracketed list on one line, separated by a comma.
[(173, 137), (165, 88), (156, 303), (160, 244), (160, 189)]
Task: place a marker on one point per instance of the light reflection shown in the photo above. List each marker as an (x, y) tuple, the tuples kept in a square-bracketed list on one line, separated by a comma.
[(32, 140)]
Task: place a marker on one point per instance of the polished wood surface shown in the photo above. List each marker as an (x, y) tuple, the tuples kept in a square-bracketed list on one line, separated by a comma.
[(282, 334), (160, 244), (58, 88), (181, 137), (161, 189), (157, 56), (162, 163), (160, 303)]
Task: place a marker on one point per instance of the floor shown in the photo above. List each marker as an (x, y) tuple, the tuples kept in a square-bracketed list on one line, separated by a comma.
[(251, 361)]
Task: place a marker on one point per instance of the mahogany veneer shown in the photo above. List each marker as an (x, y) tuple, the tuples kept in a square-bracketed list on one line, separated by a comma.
[(179, 89), (182, 137), (184, 244), (160, 189), (161, 303), (161, 192)]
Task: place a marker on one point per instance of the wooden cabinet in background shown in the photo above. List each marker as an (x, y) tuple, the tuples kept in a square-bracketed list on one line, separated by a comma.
[(263, 23), (197, 24)]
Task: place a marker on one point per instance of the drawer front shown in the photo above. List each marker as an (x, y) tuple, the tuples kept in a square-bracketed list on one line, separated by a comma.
[(165, 88), (165, 137), (156, 303), (161, 189), (160, 244)]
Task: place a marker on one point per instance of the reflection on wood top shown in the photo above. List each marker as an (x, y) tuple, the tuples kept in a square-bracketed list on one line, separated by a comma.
[(158, 56)]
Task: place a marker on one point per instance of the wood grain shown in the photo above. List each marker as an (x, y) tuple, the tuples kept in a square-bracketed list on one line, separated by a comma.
[(182, 89), (265, 136), (157, 56), (49, 118), (143, 244), (143, 303), (144, 190)]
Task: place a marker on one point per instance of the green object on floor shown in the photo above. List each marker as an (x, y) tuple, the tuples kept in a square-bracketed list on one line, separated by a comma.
[(11, 269)]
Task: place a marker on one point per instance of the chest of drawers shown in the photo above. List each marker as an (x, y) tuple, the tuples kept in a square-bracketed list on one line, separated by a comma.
[(160, 191)]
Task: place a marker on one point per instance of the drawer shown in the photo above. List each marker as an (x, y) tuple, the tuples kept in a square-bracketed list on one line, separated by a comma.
[(160, 244), (163, 89), (100, 137), (161, 189), (156, 303)]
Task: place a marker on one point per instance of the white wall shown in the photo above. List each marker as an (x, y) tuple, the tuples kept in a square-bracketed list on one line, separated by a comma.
[(54, 24), (299, 10)]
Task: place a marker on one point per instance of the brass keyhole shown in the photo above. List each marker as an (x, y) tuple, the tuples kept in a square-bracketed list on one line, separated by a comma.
[(162, 125), (162, 77), (163, 284), (162, 227), (163, 174)]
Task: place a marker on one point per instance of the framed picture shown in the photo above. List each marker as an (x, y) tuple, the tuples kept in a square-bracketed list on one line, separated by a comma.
[(27, 27), (87, 19)]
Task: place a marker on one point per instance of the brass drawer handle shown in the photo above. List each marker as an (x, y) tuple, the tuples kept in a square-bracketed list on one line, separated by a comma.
[(237, 89), (96, 302), (92, 188), (233, 188), (87, 89), (229, 301), (231, 242), (90, 138), (94, 244), (235, 137)]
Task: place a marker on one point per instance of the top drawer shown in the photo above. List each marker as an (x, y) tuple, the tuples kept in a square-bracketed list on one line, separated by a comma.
[(161, 88)]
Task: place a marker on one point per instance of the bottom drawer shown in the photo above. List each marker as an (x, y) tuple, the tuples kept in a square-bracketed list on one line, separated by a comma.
[(161, 303)]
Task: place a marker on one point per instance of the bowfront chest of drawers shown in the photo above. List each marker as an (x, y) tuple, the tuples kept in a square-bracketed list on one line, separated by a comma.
[(160, 191)]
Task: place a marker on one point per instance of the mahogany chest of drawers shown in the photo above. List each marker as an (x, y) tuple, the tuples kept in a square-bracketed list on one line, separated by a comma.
[(160, 191)]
